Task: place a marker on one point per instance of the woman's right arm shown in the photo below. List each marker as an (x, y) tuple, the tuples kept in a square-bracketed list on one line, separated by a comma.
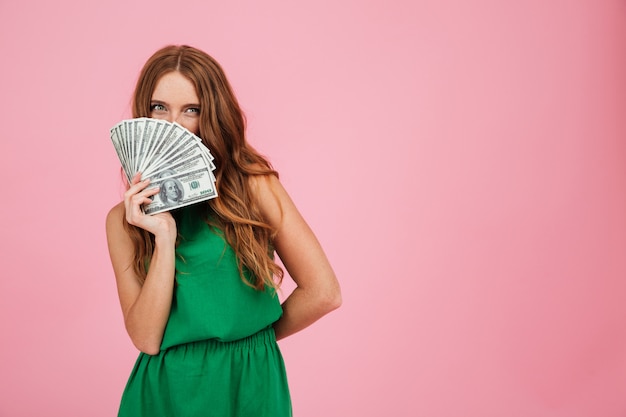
[(145, 307)]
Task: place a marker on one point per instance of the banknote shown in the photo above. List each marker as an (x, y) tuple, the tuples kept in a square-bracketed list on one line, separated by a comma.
[(181, 190), (170, 156)]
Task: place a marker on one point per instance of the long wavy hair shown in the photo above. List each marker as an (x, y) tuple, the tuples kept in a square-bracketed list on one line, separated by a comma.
[(222, 129)]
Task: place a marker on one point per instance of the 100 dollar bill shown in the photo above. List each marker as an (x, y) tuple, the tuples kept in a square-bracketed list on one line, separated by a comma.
[(181, 190)]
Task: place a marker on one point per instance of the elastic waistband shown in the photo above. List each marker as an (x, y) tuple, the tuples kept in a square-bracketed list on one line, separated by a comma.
[(262, 337), (265, 337)]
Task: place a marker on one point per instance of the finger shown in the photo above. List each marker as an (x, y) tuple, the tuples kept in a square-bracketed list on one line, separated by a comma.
[(134, 213), (136, 188), (133, 199), (136, 178), (134, 202), (144, 197), (149, 191)]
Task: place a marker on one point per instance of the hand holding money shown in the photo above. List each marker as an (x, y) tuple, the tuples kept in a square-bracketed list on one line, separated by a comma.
[(161, 225), (170, 156)]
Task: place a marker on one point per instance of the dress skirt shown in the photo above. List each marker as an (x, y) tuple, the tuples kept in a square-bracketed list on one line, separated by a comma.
[(210, 378)]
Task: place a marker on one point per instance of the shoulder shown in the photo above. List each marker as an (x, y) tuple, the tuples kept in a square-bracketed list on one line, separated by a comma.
[(264, 185), (115, 217), (271, 197), (119, 241)]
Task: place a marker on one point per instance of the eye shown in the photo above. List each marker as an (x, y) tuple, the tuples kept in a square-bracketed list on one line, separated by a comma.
[(193, 110), (157, 107)]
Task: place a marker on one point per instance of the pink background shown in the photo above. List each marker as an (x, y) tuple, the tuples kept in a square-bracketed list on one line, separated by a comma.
[(462, 162)]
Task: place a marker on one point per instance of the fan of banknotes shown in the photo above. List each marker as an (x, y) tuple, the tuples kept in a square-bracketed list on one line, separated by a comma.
[(173, 158)]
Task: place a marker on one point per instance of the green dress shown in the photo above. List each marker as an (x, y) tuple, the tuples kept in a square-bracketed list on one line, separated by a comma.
[(219, 355)]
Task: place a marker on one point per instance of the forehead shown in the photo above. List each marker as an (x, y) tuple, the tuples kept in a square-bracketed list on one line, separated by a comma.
[(174, 87)]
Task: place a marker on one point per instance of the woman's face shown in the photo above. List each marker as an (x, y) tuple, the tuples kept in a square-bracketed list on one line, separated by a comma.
[(175, 99)]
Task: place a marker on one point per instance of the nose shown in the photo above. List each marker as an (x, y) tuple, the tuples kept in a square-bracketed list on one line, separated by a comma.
[(173, 117), (179, 118)]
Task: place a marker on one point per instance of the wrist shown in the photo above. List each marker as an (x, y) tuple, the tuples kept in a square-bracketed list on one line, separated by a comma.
[(166, 239)]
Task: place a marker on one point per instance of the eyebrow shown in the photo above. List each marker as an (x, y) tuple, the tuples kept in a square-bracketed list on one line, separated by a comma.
[(166, 104)]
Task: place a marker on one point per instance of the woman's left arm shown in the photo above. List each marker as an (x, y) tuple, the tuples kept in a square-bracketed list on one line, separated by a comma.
[(317, 291)]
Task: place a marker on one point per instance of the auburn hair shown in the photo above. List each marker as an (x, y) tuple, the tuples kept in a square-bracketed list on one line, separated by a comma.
[(222, 129)]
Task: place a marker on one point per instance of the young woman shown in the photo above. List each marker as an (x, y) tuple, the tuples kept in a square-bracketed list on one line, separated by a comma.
[(197, 285)]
